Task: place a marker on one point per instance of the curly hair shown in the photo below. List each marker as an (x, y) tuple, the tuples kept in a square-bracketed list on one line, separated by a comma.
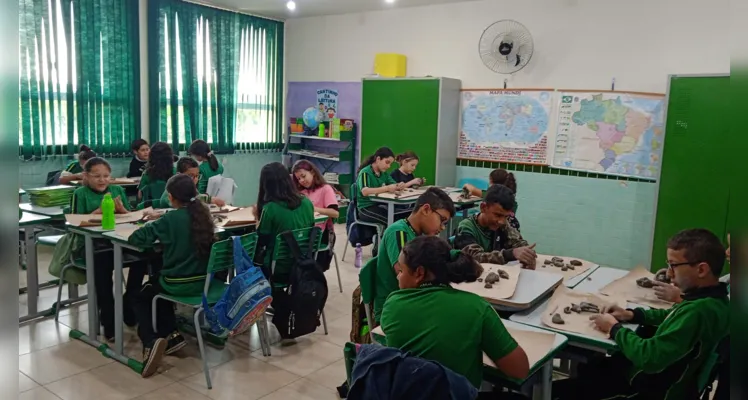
[(160, 162), (182, 189)]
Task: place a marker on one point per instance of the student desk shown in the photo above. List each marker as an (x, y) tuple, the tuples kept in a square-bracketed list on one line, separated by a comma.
[(21, 192), (392, 202), (52, 212), (28, 223), (540, 375), (532, 288), (599, 278)]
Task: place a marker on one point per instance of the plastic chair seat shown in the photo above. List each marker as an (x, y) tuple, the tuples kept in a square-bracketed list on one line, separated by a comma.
[(215, 291), (48, 240)]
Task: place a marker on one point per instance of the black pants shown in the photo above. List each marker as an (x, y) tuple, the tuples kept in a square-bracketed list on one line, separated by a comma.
[(103, 279), (165, 322), (601, 378)]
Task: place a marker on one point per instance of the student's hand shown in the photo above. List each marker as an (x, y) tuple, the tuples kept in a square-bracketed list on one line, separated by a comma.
[(421, 181), (470, 188), (152, 215), (391, 188), (604, 322), (525, 255), (400, 186), (119, 208), (97, 211), (218, 202), (620, 314), (667, 292)]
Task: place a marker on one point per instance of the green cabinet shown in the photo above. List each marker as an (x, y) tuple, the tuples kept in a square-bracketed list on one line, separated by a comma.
[(417, 114)]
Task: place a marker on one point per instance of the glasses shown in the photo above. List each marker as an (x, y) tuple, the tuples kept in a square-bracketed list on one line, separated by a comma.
[(673, 265), (442, 219)]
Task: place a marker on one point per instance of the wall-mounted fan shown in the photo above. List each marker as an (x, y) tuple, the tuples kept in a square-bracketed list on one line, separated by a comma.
[(505, 46)]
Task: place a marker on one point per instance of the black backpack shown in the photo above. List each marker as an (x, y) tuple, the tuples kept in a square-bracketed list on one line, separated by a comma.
[(298, 307)]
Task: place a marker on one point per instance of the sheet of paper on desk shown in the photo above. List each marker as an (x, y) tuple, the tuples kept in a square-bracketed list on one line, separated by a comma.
[(577, 322), (408, 193), (540, 265), (123, 181), (225, 209), (124, 231), (95, 219), (242, 216), (503, 289), (457, 197), (627, 288)]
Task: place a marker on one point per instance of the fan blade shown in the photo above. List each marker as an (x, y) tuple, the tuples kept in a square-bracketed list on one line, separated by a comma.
[(518, 61)]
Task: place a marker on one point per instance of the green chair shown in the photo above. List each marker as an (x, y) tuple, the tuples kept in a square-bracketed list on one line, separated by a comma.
[(331, 249), (281, 252), (349, 356), (367, 280), (221, 259)]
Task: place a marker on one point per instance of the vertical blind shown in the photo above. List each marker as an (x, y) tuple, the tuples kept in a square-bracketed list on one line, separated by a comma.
[(217, 75), (79, 81)]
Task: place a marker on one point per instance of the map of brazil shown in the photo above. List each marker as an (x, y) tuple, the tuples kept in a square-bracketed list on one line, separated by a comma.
[(610, 132), (505, 125)]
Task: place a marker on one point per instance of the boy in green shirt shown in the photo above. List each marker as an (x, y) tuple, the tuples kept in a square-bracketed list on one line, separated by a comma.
[(667, 365), (432, 211), (487, 236)]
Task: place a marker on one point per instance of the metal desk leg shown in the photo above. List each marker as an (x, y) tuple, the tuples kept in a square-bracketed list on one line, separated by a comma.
[(390, 213), (93, 313), (542, 389), (118, 309), (32, 269)]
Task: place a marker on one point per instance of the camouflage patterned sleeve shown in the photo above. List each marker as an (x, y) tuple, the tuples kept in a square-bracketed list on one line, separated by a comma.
[(514, 238), (492, 257)]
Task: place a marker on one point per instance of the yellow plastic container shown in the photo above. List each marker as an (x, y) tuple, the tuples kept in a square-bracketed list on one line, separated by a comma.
[(390, 65)]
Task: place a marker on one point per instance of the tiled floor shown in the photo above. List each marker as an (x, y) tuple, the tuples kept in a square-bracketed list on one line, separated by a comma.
[(53, 366)]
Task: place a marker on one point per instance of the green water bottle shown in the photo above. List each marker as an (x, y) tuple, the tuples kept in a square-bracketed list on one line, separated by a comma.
[(107, 212)]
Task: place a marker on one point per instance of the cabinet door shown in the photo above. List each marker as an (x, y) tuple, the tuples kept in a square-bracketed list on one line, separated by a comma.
[(402, 115), (694, 183)]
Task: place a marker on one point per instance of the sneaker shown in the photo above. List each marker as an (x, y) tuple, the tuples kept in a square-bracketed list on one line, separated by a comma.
[(175, 342), (152, 357)]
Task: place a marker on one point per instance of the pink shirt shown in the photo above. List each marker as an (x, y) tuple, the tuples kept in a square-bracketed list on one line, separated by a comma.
[(322, 197)]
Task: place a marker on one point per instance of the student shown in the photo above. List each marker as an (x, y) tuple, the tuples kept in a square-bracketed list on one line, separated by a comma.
[(186, 236), (500, 176), (159, 169), (408, 162), (186, 166), (209, 165), (280, 208), (74, 170), (430, 319), (666, 365), (432, 211), (488, 237), (87, 200), (140, 152), (374, 179), (311, 183)]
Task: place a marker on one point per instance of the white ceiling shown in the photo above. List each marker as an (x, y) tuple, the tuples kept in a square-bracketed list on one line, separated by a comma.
[(312, 8)]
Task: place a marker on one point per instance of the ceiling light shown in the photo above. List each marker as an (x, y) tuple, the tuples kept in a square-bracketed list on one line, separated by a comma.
[(389, 1), (291, 5)]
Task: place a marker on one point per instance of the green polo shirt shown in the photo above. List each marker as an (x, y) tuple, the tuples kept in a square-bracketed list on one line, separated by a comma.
[(367, 178), (183, 273), (205, 174), (393, 240), (277, 218), (85, 200), (447, 325), (74, 167), (152, 190)]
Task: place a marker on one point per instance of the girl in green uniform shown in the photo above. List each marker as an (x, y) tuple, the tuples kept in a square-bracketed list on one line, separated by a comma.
[(209, 165), (186, 234), (160, 168), (373, 179), (74, 170)]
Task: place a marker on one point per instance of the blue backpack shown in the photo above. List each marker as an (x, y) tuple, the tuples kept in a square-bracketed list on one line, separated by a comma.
[(245, 300)]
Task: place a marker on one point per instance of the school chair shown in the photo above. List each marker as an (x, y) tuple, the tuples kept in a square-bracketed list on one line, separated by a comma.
[(356, 221), (331, 249), (366, 279), (281, 252), (349, 355), (221, 259)]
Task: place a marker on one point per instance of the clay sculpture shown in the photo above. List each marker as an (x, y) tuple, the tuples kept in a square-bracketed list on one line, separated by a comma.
[(569, 266), (503, 274), (644, 282), (557, 319), (567, 310), (547, 262), (554, 259), (589, 307), (558, 263), (564, 268), (480, 279), (575, 263), (488, 285), (492, 277), (576, 308), (661, 276)]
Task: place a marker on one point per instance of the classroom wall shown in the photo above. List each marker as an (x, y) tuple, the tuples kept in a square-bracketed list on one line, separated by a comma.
[(579, 44), (244, 169)]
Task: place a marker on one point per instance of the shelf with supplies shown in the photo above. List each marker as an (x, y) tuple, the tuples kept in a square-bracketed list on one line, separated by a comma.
[(334, 153)]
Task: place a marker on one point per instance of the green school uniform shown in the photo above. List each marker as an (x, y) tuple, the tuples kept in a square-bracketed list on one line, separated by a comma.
[(447, 325), (183, 272), (164, 202), (205, 174), (367, 178), (277, 218), (152, 190), (485, 245), (85, 200), (74, 167), (393, 240), (687, 334)]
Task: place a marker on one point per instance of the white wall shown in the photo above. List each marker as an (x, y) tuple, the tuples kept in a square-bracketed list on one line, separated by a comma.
[(579, 44)]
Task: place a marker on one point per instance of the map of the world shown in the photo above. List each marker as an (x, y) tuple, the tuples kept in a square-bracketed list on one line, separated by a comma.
[(506, 125), (611, 133)]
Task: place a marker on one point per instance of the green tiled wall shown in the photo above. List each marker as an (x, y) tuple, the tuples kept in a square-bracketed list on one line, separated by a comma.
[(243, 168), (607, 221)]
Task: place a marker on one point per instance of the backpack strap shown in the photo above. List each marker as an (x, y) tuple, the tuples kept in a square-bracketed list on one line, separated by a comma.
[(293, 245)]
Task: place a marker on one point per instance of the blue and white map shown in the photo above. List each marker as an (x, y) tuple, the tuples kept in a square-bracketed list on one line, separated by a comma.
[(505, 125)]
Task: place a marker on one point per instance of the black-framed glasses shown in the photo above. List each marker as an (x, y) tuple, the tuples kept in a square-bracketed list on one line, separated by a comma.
[(674, 265)]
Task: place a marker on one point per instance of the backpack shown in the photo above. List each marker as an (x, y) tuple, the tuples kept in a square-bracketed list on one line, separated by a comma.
[(298, 306), (244, 301)]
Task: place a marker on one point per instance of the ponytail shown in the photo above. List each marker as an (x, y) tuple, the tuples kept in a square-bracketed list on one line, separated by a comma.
[(382, 152), (501, 176), (85, 153), (440, 262), (405, 157), (201, 149), (182, 188)]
